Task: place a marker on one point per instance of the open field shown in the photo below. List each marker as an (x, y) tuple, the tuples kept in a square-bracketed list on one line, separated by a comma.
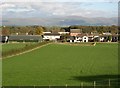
[(62, 64), (12, 46)]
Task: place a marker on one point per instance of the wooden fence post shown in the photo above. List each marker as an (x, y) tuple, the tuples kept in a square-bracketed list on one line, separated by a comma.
[(109, 82), (94, 84), (49, 86), (66, 85), (81, 84)]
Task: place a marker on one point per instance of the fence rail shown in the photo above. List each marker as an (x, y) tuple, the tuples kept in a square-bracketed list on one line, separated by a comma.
[(60, 87), (110, 83)]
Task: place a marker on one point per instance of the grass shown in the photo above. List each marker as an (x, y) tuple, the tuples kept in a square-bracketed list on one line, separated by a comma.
[(12, 46), (62, 64)]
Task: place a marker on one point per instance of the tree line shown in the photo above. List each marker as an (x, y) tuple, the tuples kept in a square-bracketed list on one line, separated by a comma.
[(97, 29), (38, 30)]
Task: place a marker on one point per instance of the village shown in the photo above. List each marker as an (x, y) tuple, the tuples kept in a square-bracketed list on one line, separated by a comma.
[(74, 36), (59, 44)]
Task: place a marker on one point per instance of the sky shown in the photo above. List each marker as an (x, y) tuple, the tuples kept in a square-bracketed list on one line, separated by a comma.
[(58, 8)]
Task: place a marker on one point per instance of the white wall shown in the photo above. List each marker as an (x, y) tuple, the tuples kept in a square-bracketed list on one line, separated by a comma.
[(84, 39), (78, 39), (52, 37), (63, 32), (70, 40), (101, 39), (6, 38)]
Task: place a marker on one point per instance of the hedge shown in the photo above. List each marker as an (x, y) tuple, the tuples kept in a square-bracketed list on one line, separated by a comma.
[(17, 51)]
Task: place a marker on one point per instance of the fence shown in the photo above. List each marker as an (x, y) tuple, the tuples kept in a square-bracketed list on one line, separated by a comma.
[(110, 83)]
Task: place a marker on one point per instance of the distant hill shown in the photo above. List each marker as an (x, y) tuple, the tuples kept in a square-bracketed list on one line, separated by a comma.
[(61, 21)]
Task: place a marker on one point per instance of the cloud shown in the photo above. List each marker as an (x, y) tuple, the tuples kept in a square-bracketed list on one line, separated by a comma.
[(19, 10), (53, 9), (15, 7), (60, 0), (6, 5)]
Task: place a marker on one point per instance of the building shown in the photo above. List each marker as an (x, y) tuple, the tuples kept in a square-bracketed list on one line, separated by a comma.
[(85, 39), (51, 36), (63, 33), (4, 39), (79, 38), (46, 32), (25, 38), (108, 38), (75, 32)]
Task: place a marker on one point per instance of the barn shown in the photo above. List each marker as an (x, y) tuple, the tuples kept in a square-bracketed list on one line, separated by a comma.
[(25, 38)]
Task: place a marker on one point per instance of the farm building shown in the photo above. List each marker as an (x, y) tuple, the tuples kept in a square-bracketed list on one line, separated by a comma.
[(85, 39), (108, 38), (63, 33), (25, 38), (75, 32), (79, 38), (51, 36), (115, 38), (90, 38)]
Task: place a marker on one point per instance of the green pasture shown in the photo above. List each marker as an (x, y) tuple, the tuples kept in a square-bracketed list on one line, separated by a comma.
[(59, 65), (14, 46)]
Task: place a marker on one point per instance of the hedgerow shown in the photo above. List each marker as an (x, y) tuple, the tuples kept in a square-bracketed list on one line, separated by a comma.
[(17, 51)]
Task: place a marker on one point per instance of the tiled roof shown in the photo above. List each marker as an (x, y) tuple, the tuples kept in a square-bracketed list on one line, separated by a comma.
[(51, 34)]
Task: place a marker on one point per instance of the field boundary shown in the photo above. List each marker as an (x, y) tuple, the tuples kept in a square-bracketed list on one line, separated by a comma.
[(27, 51), (77, 44), (65, 43)]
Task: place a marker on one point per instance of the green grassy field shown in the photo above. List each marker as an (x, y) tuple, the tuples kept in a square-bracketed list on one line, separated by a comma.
[(12, 46), (62, 64)]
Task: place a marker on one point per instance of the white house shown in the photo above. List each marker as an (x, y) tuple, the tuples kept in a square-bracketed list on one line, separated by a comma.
[(46, 32), (51, 36), (79, 38), (96, 36), (101, 39), (90, 38), (63, 32), (85, 39)]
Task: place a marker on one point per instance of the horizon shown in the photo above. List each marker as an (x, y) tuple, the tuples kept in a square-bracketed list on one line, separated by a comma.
[(49, 11), (59, 9)]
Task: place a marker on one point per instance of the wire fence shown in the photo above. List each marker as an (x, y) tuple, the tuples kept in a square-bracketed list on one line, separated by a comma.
[(109, 83)]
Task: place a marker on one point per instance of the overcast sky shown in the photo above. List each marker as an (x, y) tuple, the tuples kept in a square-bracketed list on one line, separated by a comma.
[(58, 8)]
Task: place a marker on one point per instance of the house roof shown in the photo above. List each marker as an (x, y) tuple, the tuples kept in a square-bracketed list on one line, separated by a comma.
[(115, 35), (75, 30), (25, 37), (52, 34), (107, 33), (81, 35)]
